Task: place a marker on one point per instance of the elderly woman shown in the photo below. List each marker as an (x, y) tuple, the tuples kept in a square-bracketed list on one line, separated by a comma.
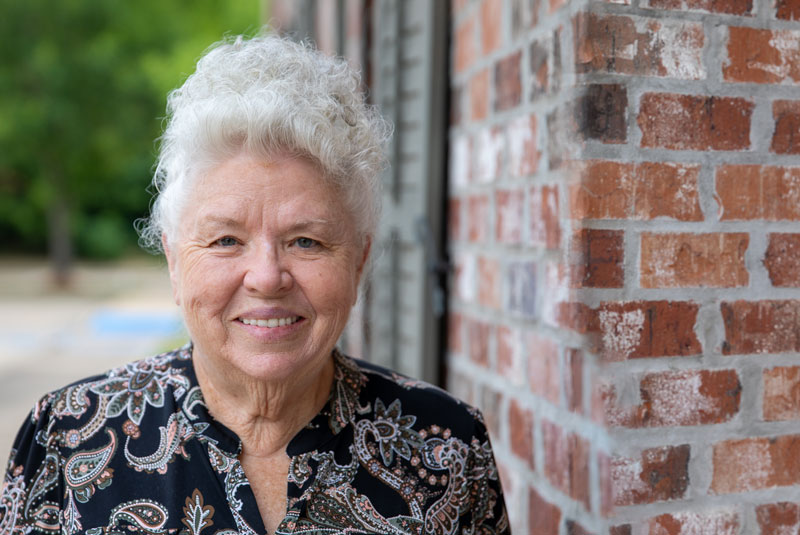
[(268, 198)]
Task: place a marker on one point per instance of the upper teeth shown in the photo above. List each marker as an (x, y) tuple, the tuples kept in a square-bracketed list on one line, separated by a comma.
[(273, 322)]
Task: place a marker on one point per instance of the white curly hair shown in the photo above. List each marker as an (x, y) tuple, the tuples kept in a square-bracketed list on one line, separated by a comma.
[(268, 96)]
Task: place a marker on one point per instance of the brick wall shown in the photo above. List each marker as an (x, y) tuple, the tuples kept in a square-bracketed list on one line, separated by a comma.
[(625, 196)]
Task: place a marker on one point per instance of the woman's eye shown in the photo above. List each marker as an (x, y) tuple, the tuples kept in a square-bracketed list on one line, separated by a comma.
[(305, 243), (227, 241)]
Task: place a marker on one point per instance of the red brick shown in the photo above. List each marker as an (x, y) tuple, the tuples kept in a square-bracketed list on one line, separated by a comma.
[(491, 25), (778, 518), (659, 474), (478, 220), (786, 137), (539, 68), (545, 228), (731, 7), (758, 192), (520, 426), (605, 484), (685, 398), (597, 257), (479, 95), (762, 56), (573, 379), (787, 9), (489, 152), (544, 517), (601, 113), (489, 282), (782, 260), (464, 45), (647, 190), (508, 82), (648, 47), (479, 335), (523, 151), (622, 529), (510, 355), (755, 463), (454, 230), (679, 260), (544, 376), (693, 122), (509, 205), (573, 528), (781, 393), (761, 327), (566, 461), (718, 522), (455, 339), (640, 329)]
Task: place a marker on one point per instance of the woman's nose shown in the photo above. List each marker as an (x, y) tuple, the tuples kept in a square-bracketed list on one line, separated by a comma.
[(266, 273)]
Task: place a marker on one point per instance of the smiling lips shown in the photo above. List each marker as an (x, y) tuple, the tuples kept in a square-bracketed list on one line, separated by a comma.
[(272, 322)]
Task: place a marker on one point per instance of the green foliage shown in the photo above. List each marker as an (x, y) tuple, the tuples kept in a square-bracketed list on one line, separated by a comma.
[(83, 90)]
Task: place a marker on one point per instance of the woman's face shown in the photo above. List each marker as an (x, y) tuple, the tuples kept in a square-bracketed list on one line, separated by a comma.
[(265, 267)]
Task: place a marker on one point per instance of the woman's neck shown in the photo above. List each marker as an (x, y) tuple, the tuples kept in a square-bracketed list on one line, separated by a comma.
[(265, 415)]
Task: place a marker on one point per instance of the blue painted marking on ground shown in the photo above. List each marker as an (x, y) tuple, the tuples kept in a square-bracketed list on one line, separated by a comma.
[(114, 322)]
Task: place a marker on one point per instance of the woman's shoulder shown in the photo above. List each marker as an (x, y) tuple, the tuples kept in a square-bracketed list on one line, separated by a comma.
[(427, 403)]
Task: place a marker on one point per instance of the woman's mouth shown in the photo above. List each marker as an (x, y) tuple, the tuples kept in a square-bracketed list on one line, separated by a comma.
[(270, 323)]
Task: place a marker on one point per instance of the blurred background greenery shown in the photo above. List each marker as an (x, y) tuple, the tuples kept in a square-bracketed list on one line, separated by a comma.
[(83, 87)]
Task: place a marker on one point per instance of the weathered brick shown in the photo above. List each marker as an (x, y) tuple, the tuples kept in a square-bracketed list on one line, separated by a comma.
[(561, 135), (491, 404), (523, 149), (460, 385), (787, 9), (509, 206), (544, 517), (508, 82), (622, 529), (647, 190), (718, 522), (489, 154), (566, 461), (460, 162), (600, 113), (638, 329), (640, 46), (510, 355), (755, 463), (478, 220), (758, 192), (545, 228), (491, 25), (454, 219), (522, 288), (455, 333), (465, 273), (573, 528), (456, 106), (778, 518), (544, 376), (730, 7), (685, 398), (782, 260), (781, 393), (489, 275), (479, 334), (598, 258), (760, 326), (479, 95), (464, 44), (520, 428), (678, 260), (659, 474), (694, 122), (786, 136), (762, 56), (573, 379), (539, 68)]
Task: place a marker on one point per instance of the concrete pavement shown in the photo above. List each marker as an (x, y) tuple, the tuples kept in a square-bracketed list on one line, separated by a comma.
[(110, 315)]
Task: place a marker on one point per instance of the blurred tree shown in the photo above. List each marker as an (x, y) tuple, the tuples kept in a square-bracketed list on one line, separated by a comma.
[(83, 85)]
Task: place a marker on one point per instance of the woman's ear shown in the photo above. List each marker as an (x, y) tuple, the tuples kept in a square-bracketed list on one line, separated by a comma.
[(172, 267)]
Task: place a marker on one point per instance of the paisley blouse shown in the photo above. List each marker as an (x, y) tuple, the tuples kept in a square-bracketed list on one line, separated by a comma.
[(136, 451)]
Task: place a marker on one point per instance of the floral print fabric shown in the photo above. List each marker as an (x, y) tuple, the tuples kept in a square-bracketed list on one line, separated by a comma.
[(136, 451)]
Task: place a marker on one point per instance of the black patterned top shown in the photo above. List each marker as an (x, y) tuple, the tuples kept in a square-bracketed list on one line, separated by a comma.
[(136, 451)]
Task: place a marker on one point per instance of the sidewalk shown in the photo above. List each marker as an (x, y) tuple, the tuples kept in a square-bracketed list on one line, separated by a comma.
[(112, 314)]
